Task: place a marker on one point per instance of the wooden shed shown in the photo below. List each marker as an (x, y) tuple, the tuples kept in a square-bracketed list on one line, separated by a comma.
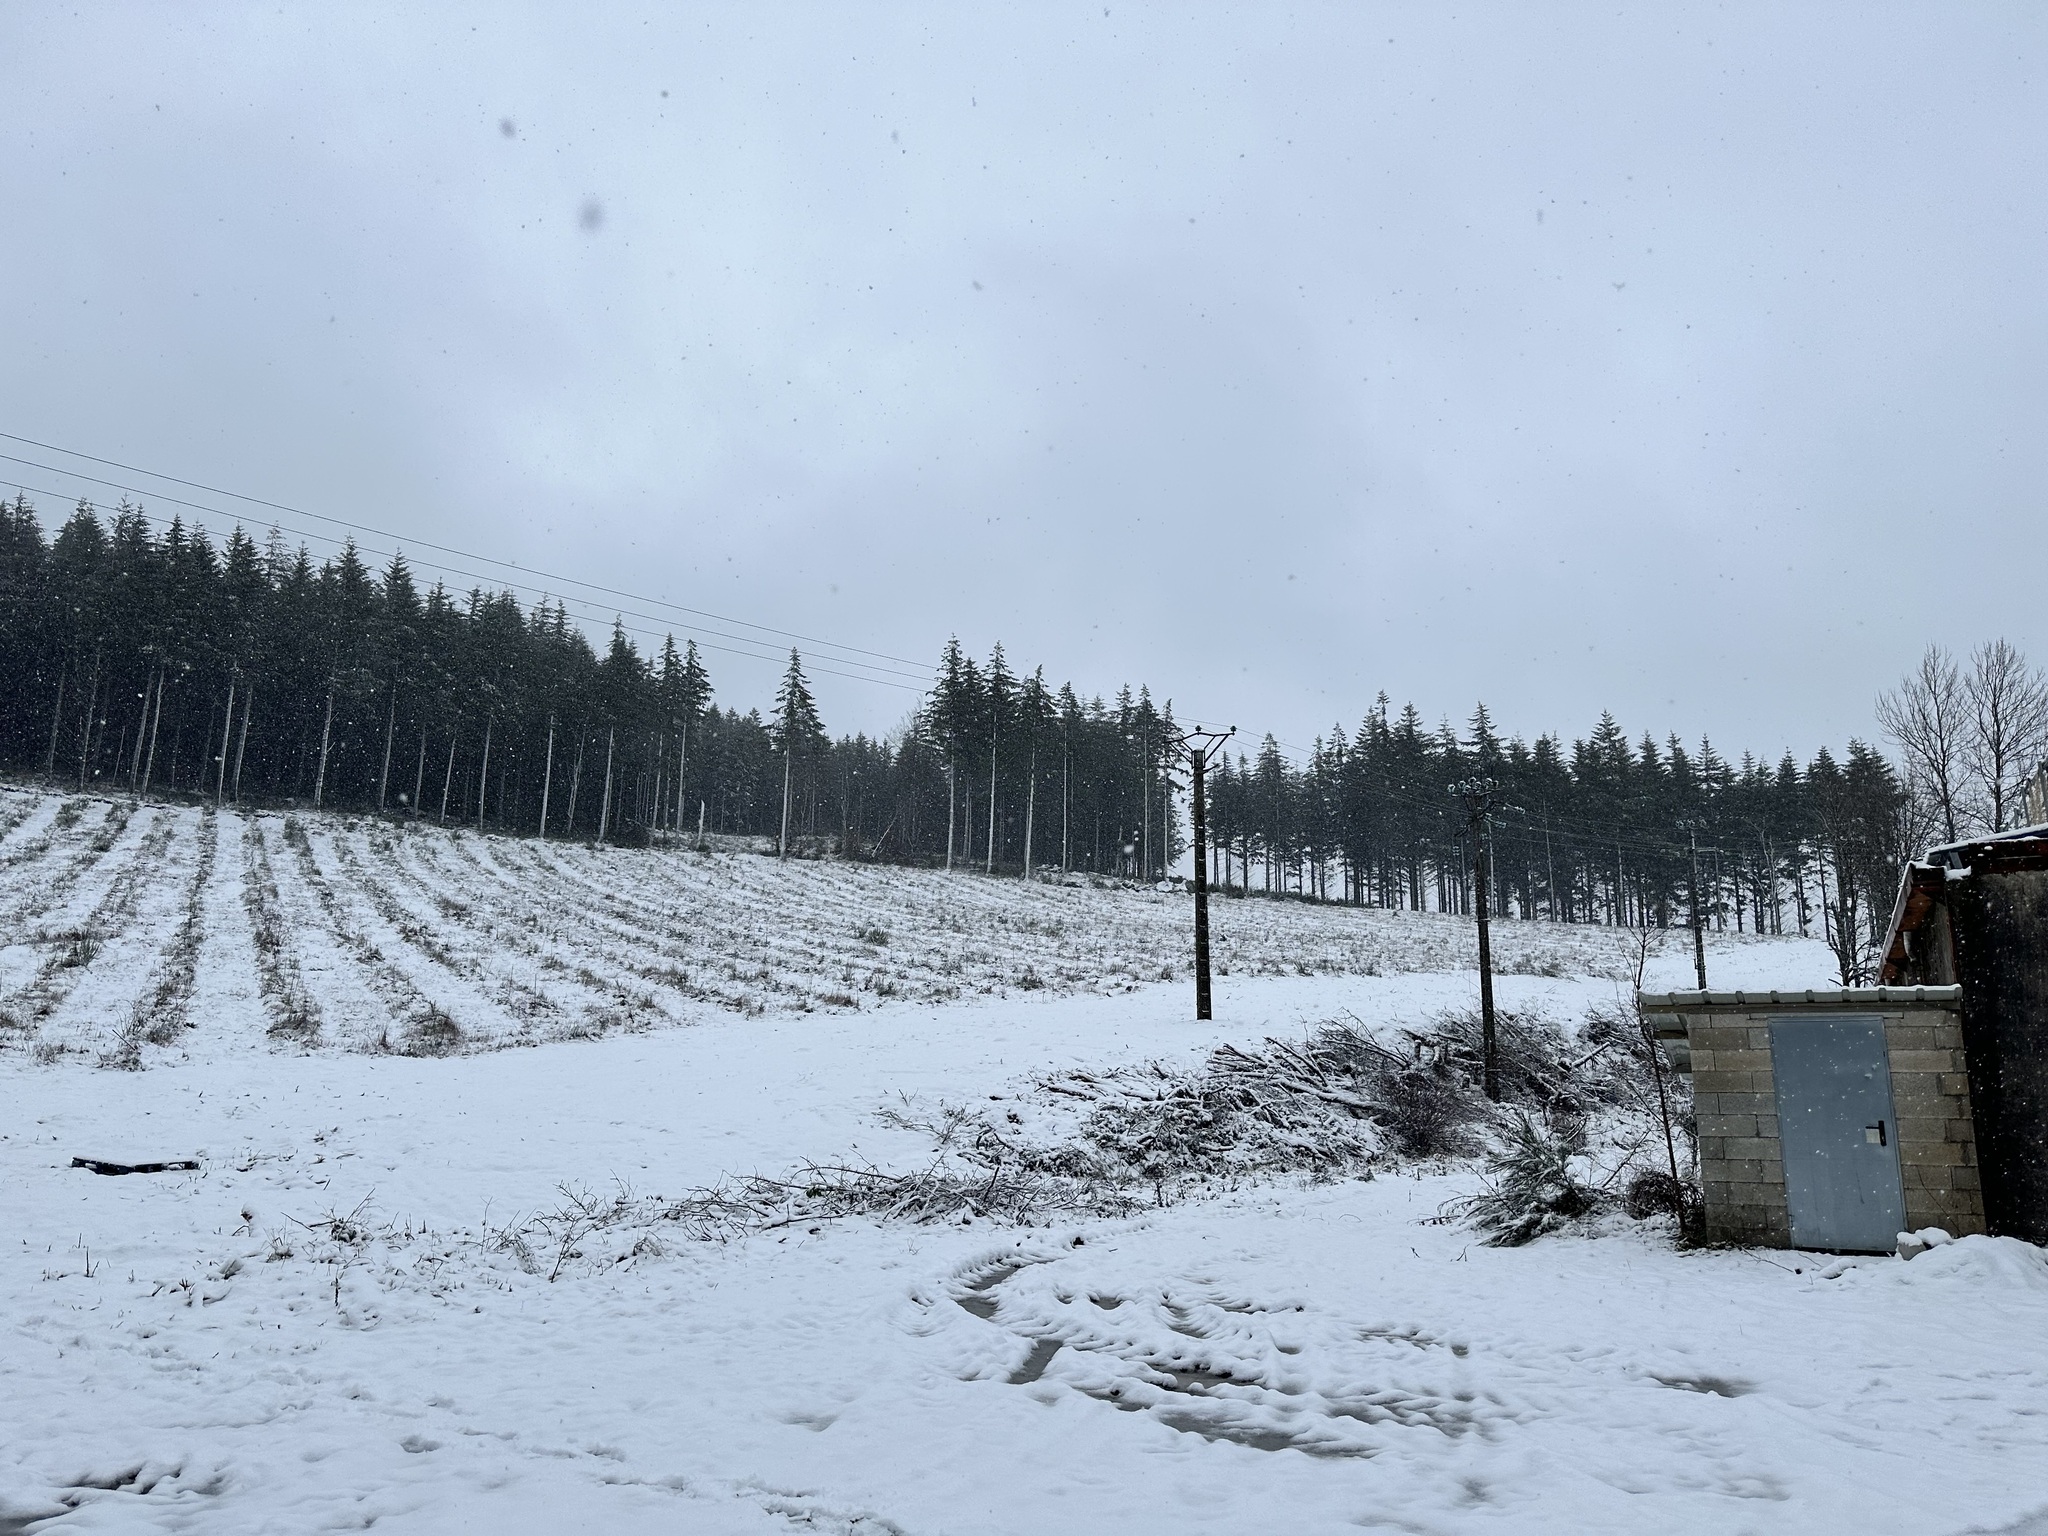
[(1827, 1119), (1974, 915)]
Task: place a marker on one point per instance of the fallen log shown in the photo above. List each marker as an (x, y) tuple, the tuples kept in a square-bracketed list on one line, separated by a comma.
[(101, 1165)]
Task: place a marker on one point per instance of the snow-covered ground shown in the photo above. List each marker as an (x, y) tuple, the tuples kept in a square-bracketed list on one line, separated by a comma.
[(1286, 1357), (335, 933)]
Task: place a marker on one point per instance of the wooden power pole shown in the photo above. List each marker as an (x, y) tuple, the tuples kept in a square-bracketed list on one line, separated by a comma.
[(1478, 797), (1699, 934), (1202, 745)]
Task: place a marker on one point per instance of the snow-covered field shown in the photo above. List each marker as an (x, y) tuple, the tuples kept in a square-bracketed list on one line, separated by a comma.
[(365, 935), (1284, 1357)]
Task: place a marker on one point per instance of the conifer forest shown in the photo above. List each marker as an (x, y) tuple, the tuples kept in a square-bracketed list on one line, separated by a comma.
[(145, 659)]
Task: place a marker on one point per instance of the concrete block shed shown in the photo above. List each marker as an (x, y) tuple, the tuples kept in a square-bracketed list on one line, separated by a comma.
[(1827, 1119)]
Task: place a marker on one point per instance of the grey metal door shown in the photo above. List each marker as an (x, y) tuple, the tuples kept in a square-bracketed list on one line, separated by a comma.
[(1841, 1141)]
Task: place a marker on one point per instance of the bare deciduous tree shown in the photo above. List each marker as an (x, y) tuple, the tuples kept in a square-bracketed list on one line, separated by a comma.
[(2008, 702), (1928, 716)]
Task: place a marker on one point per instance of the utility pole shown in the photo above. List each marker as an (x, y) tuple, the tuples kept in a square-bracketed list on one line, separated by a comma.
[(1478, 797), (1699, 937), (1202, 745)]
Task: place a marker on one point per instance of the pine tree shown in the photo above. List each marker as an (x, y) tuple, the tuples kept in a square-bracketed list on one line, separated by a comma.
[(796, 732)]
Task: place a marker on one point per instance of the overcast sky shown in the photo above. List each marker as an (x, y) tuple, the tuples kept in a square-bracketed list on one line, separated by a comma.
[(1689, 363)]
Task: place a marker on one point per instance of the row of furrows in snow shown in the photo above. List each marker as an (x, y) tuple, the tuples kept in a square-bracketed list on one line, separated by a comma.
[(537, 988), (925, 935), (509, 950), (369, 935), (16, 809), (730, 953), (44, 870), (366, 938), (162, 1010), (95, 917), (814, 931)]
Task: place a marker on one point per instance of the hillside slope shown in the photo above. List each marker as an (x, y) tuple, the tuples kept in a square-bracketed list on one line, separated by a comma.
[(124, 926)]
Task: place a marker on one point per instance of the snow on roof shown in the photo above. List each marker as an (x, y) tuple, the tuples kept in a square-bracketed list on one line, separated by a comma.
[(1826, 997), (1957, 852), (2017, 848)]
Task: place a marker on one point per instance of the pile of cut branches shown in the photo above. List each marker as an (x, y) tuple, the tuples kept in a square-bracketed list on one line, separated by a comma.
[(1329, 1105)]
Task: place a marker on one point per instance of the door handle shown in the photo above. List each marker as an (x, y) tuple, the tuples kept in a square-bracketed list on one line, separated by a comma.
[(1874, 1134)]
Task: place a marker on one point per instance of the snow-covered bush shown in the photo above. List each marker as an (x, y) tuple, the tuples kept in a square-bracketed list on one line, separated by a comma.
[(1424, 1111), (1530, 1186), (1653, 1192)]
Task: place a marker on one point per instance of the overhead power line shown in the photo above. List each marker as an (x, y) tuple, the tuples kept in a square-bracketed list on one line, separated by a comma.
[(278, 506), (579, 611)]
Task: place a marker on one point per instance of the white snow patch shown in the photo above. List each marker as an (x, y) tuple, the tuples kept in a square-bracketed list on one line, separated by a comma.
[(314, 1331)]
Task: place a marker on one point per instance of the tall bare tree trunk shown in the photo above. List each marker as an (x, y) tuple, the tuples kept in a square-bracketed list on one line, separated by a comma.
[(141, 730), (227, 736), (1145, 831), (56, 720), (156, 721), (604, 806), (1066, 802), (390, 728), (658, 805), (576, 777), (92, 696), (326, 736), (448, 778), (682, 771), (242, 741), (1929, 716), (1030, 806), (991, 803), (547, 778), (782, 843), (952, 806), (419, 778), (2009, 725), (92, 699), (483, 777)]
